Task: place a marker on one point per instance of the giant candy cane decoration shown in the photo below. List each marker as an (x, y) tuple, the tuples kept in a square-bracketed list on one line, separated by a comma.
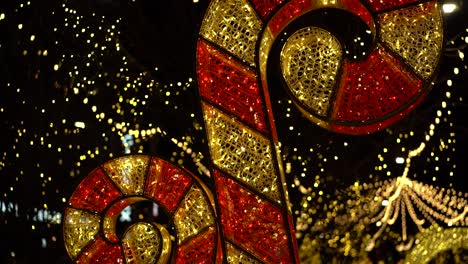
[(247, 217)]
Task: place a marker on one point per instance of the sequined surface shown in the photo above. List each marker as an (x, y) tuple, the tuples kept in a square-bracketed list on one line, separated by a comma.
[(101, 251), (233, 25), (200, 249), (287, 13), (242, 152), (265, 7), (415, 33), (92, 238), (373, 88), (142, 243), (128, 173), (109, 220), (95, 192), (412, 35), (236, 255), (230, 85), (193, 215), (380, 5), (79, 230), (310, 61), (166, 184), (251, 222)]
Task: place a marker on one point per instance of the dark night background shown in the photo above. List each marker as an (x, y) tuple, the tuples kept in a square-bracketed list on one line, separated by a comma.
[(76, 77)]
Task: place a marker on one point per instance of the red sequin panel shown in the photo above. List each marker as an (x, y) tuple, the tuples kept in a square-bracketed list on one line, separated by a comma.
[(95, 192), (357, 8), (383, 5), (166, 183), (265, 7), (287, 13), (230, 85), (360, 130), (373, 88), (199, 249), (251, 222), (101, 252)]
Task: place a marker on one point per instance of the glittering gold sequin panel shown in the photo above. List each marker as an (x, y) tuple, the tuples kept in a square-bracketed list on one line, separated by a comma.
[(128, 173), (80, 228), (415, 33), (242, 152), (309, 61), (142, 243), (236, 255), (264, 49), (193, 215), (234, 26)]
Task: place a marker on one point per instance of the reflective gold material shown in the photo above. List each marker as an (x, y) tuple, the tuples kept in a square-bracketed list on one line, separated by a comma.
[(264, 49), (415, 33), (193, 215), (435, 240), (128, 173), (235, 255), (142, 243), (241, 151), (327, 4), (166, 244), (233, 25), (310, 61), (80, 228), (110, 218)]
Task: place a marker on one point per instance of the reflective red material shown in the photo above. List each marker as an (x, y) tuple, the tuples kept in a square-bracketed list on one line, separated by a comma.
[(95, 192), (101, 252), (200, 249), (265, 7), (166, 183), (230, 85), (366, 129), (252, 223), (384, 5), (371, 89), (287, 13)]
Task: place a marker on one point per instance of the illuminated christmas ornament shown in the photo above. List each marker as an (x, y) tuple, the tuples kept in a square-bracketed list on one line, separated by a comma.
[(243, 48), (350, 66), (90, 219)]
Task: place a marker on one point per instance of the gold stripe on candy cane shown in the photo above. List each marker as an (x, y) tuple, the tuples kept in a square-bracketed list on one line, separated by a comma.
[(233, 25), (242, 152), (415, 34)]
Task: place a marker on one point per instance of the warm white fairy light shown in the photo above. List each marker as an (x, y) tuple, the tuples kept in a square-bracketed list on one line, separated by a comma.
[(403, 194)]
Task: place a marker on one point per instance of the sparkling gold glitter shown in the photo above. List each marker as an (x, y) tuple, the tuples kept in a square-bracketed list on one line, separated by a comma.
[(234, 26), (80, 228), (142, 243), (310, 61), (236, 255), (264, 49), (128, 173), (415, 33), (242, 152), (193, 215)]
